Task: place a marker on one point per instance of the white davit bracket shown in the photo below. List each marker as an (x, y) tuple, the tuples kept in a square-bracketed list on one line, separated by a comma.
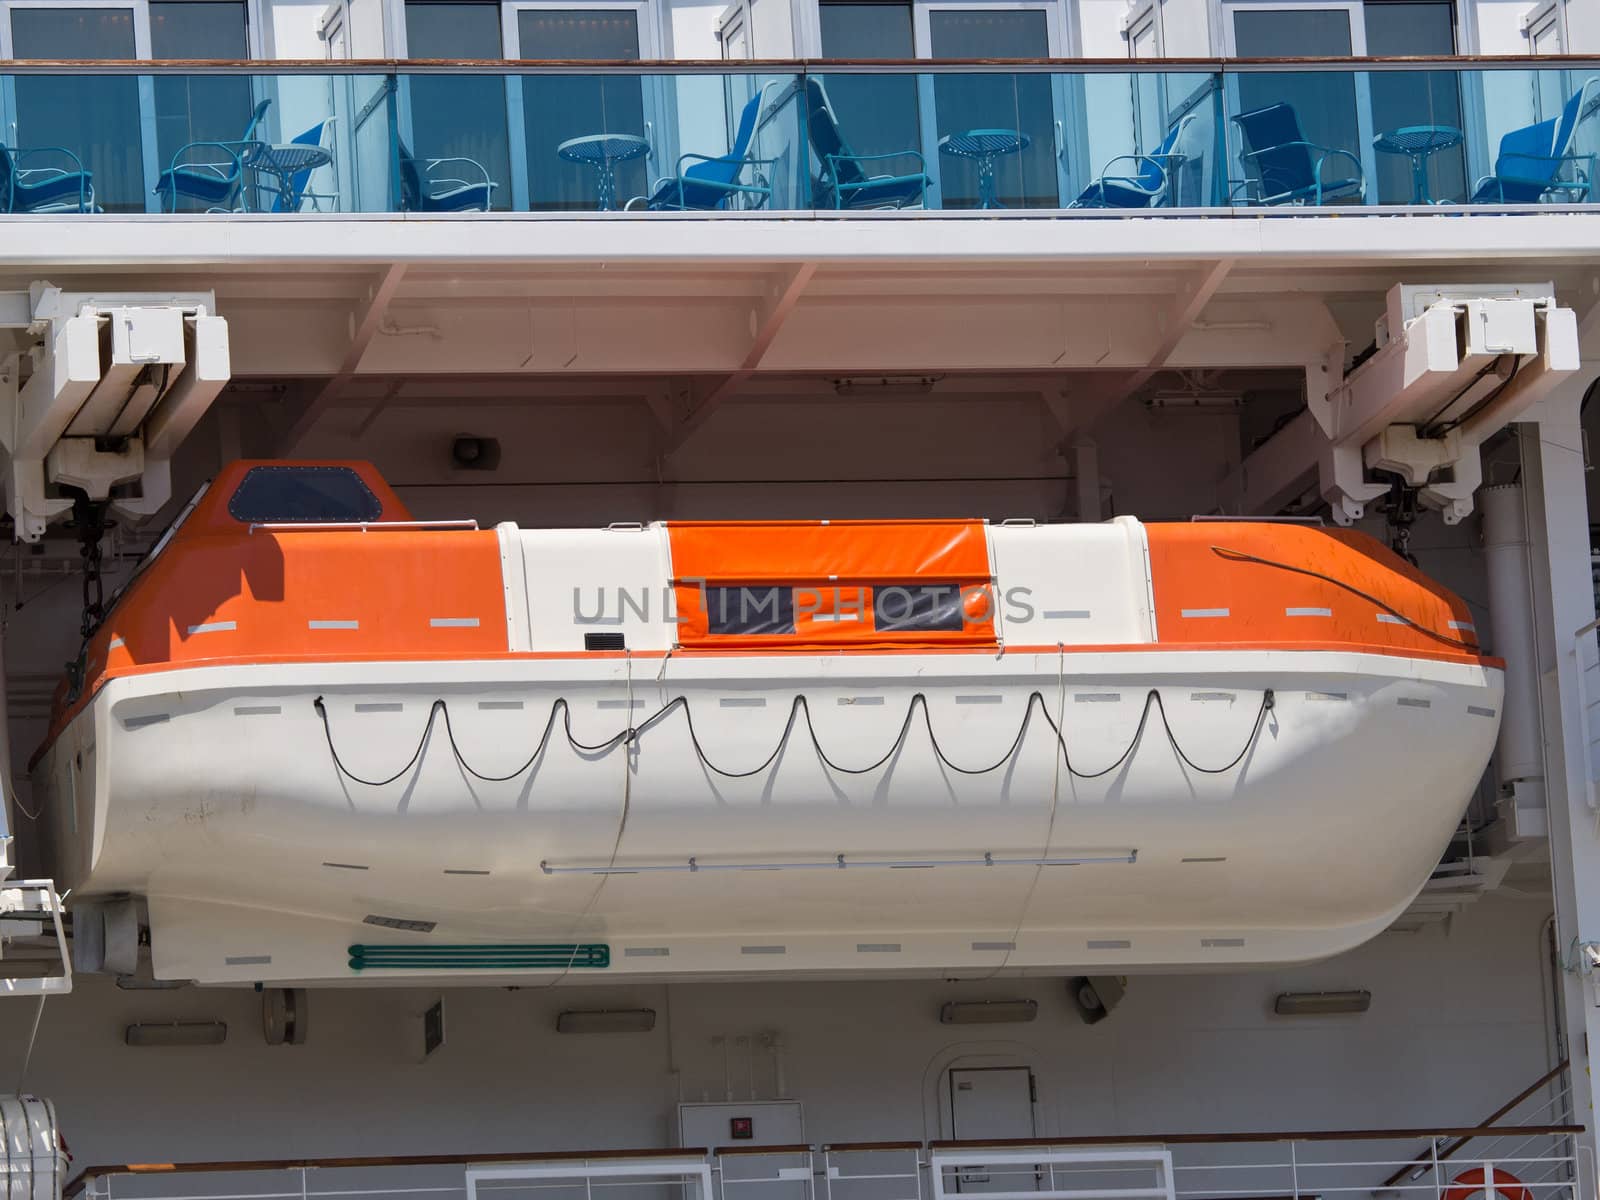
[(1453, 366), (30, 908), (114, 383)]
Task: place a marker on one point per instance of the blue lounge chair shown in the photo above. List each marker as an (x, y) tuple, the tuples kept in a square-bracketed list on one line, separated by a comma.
[(844, 181), (43, 189), (704, 182), (1153, 185), (422, 191), (1284, 168), (218, 185), (1533, 163)]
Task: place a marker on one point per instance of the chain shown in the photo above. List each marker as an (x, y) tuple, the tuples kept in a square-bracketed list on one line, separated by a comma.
[(89, 520), (1400, 512)]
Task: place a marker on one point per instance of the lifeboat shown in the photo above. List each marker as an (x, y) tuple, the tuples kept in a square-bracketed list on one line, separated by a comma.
[(321, 741)]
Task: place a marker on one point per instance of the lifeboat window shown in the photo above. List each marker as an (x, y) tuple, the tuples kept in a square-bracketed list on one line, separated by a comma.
[(749, 610), (314, 495), (917, 608)]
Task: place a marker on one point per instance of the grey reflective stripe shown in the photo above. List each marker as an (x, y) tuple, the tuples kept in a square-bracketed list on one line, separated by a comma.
[(1212, 696), (491, 705), (645, 952), (619, 703), (333, 624), (141, 722), (1308, 612), (877, 947), (1205, 612), (367, 708), (1066, 614), (1327, 696), (247, 960), (988, 698), (994, 945), (258, 710), (1467, 625), (860, 699), (1391, 619), (453, 622), (1413, 702), (763, 950), (115, 644), (1220, 943), (1111, 944), (1480, 712), (1096, 697), (742, 702), (214, 627)]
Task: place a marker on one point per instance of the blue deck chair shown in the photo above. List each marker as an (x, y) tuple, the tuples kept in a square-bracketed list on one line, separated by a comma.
[(43, 189), (704, 182), (1151, 187), (1284, 168), (300, 180), (422, 191), (1533, 161), (218, 185), (844, 181)]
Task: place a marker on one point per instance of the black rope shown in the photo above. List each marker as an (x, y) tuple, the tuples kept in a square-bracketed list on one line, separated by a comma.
[(1241, 556), (798, 706)]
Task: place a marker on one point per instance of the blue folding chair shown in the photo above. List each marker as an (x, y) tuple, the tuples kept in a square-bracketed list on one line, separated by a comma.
[(1152, 186), (422, 191), (1284, 168), (43, 189), (1536, 163), (844, 181), (713, 182), (217, 185)]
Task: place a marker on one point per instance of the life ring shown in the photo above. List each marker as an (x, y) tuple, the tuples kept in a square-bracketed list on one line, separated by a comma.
[(1468, 1183)]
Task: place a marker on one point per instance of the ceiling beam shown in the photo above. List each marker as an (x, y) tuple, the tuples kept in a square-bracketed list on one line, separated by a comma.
[(766, 322), (1089, 405), (364, 322)]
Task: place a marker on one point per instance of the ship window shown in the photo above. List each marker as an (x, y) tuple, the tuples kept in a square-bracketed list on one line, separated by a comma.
[(917, 608), (749, 610), (303, 494)]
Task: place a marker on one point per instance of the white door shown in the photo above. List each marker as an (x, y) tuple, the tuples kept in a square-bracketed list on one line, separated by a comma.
[(548, 110), (989, 1104), (1334, 108), (105, 120), (1033, 104)]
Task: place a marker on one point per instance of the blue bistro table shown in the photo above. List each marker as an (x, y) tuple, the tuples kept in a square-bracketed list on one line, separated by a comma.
[(283, 163), (1419, 143), (603, 151), (983, 146)]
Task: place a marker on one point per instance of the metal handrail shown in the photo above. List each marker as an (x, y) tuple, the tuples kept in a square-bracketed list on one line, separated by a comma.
[(83, 1178), (361, 526), (420, 66)]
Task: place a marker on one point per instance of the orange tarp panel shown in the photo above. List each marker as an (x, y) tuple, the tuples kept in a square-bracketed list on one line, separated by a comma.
[(1259, 584), (828, 570)]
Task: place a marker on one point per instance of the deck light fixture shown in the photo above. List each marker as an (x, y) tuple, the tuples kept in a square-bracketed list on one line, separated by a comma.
[(987, 1012), (606, 1020), (1321, 1004), (176, 1033)]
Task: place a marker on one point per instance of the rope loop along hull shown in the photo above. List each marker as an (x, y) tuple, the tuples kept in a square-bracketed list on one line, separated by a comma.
[(358, 748)]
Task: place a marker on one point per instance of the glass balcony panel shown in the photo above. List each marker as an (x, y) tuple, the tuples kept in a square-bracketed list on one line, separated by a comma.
[(456, 119), (97, 117), (198, 108), (865, 135), (1144, 140)]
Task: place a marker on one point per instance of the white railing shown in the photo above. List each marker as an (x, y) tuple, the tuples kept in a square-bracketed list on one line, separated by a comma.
[(1527, 1161)]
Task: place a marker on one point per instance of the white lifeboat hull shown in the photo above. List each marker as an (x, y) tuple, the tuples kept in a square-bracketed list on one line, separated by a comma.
[(266, 858)]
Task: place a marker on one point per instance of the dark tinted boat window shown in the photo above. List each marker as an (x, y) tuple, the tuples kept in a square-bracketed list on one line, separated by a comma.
[(749, 610), (917, 608), (308, 494)]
